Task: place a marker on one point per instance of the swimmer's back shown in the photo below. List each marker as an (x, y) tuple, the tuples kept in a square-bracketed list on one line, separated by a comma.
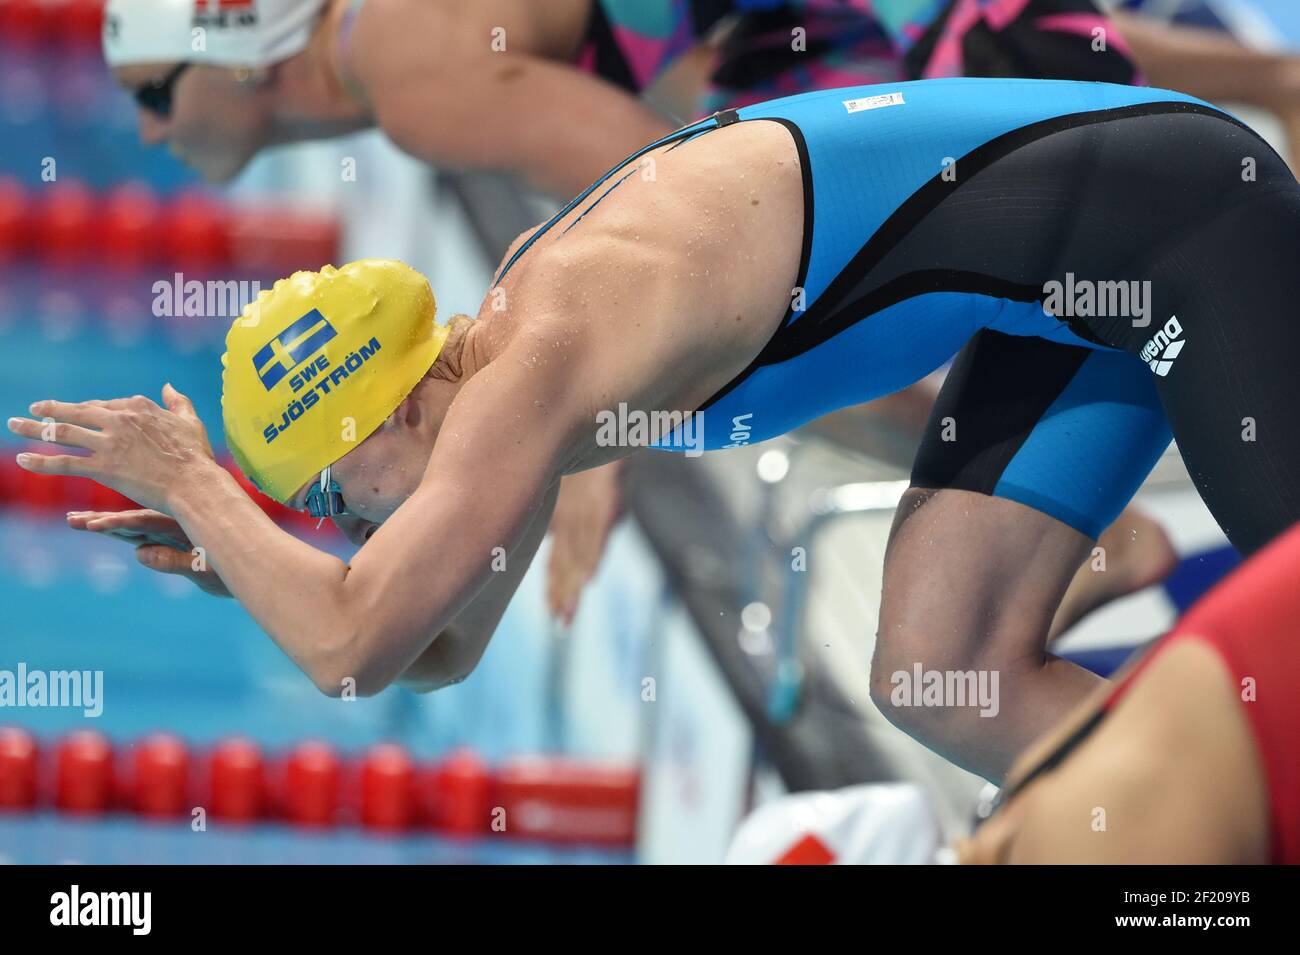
[(710, 233)]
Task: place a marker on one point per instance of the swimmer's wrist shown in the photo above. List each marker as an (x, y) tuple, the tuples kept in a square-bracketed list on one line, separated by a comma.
[(200, 486)]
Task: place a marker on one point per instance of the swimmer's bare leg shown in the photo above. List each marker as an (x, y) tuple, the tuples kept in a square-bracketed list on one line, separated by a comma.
[(972, 583), (1137, 553)]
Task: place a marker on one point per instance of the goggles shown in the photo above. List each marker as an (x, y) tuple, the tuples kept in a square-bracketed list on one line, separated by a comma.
[(325, 498), (156, 95)]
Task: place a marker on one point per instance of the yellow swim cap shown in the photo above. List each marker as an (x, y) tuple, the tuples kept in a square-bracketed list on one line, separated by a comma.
[(315, 365)]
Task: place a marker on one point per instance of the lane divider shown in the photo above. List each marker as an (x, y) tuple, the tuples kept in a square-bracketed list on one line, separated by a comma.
[(67, 223), (57, 494), (52, 23), (314, 787)]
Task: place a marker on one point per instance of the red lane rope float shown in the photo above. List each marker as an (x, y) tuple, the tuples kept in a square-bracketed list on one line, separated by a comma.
[(52, 23), (25, 23), (66, 223), (314, 787), (57, 494), (15, 216), (18, 762)]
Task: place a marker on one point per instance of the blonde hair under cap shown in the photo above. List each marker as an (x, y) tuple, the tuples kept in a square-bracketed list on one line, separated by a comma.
[(249, 33), (316, 364)]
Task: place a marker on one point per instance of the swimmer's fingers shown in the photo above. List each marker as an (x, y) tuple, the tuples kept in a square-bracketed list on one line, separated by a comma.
[(589, 506), (169, 560), (142, 518), (95, 413), (57, 432), (160, 543), (92, 414), (141, 526), (67, 465), (133, 536), (142, 452), (179, 404), (166, 560), (563, 584)]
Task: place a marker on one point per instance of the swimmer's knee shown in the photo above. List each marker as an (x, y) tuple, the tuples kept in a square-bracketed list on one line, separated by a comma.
[(882, 689), (891, 693), (891, 668), (894, 676)]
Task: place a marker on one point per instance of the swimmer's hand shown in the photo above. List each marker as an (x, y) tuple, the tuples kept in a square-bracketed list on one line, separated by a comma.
[(160, 543), (589, 505), (142, 450)]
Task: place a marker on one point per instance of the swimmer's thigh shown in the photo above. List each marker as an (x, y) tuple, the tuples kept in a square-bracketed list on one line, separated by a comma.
[(1033, 448), (1224, 345)]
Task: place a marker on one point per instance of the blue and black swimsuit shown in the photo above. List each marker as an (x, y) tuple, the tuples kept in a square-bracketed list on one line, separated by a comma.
[(1107, 263)]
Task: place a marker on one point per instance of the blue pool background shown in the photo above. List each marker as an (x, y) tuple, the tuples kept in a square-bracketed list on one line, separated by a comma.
[(177, 660)]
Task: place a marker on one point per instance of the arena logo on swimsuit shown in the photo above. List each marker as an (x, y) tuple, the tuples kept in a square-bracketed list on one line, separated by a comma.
[(1163, 348)]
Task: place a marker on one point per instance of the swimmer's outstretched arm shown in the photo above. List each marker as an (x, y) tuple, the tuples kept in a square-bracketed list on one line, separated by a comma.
[(161, 545), (490, 479), (1211, 64), (458, 648)]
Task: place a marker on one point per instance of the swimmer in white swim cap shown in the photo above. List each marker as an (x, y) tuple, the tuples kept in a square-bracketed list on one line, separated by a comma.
[(215, 79)]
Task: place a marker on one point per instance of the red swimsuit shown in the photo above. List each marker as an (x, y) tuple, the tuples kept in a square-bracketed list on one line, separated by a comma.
[(1252, 620)]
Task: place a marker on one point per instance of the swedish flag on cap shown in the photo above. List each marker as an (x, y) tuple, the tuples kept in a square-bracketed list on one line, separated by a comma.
[(315, 365), (286, 351)]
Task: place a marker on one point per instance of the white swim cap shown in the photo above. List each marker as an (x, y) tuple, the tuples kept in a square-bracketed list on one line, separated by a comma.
[(220, 32)]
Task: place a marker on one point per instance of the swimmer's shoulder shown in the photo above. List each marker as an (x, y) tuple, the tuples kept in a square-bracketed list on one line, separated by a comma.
[(520, 241)]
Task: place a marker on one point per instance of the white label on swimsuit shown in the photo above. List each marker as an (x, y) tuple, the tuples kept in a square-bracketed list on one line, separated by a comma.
[(873, 102)]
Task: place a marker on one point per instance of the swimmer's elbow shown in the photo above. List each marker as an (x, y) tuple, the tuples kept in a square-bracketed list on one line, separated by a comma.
[(356, 659), (345, 666), (335, 689), (344, 679), (445, 662), (431, 682), (356, 667), (346, 660), (368, 681)]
